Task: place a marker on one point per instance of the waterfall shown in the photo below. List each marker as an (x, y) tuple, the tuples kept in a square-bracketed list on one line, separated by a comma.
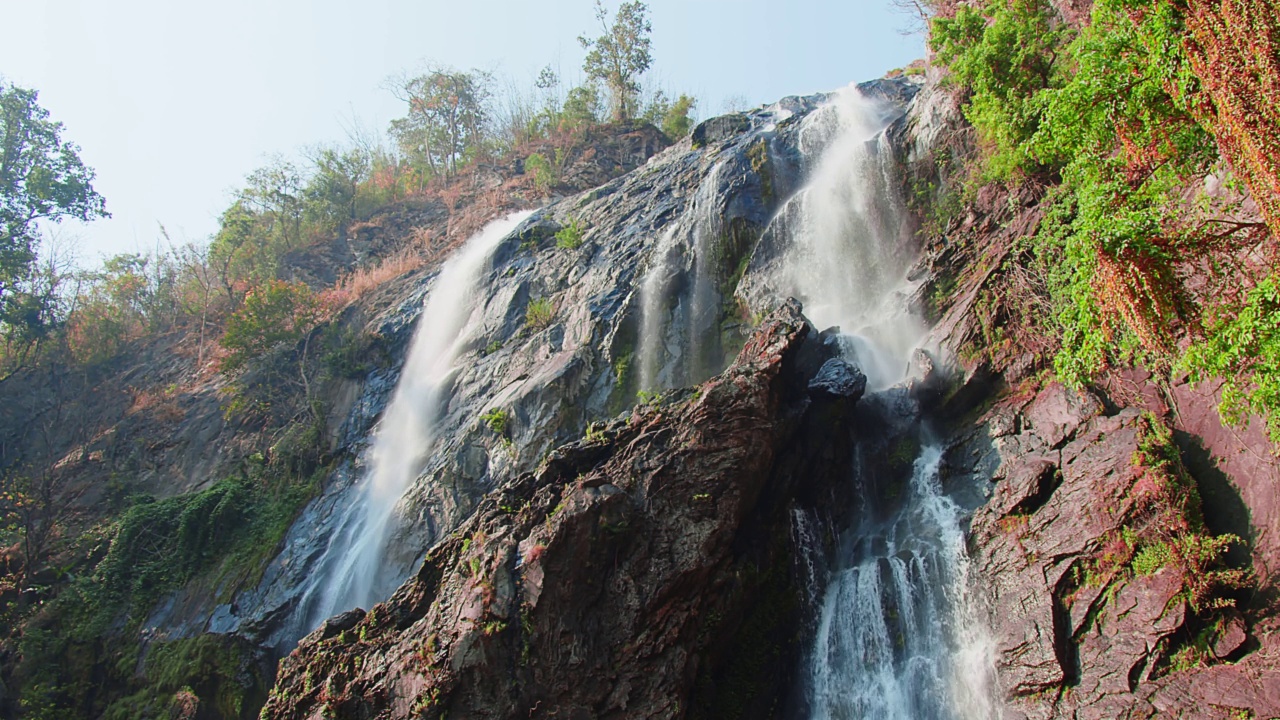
[(848, 243), (351, 571), (680, 307), (897, 635)]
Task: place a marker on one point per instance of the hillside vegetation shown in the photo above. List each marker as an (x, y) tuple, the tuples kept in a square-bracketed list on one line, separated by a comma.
[(1145, 136)]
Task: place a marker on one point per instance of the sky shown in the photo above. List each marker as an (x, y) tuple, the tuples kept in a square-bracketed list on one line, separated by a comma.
[(174, 103)]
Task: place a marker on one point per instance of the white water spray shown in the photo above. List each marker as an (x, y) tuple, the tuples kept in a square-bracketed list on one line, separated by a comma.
[(898, 636), (351, 572), (850, 244)]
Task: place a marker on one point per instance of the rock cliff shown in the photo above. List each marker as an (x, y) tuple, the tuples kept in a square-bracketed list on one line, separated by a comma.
[(642, 571)]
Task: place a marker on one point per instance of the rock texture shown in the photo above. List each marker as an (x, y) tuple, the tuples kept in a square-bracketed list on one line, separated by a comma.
[(640, 572), (709, 196), (1095, 610)]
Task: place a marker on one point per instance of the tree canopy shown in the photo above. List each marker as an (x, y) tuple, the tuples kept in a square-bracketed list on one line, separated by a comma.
[(42, 178), (620, 56), (447, 117)]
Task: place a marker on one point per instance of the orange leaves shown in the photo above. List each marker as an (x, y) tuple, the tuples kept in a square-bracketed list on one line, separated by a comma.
[(1140, 290), (1234, 47)]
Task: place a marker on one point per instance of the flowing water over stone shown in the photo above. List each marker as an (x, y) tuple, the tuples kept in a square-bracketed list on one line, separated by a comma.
[(843, 244), (676, 322), (897, 635), (351, 573)]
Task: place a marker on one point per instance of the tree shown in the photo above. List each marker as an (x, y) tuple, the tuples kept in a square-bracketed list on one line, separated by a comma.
[(447, 119), (42, 179), (274, 313), (581, 108), (620, 56), (333, 193), (263, 223), (674, 117)]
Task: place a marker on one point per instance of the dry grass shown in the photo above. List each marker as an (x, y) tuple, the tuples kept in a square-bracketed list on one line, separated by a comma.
[(361, 281)]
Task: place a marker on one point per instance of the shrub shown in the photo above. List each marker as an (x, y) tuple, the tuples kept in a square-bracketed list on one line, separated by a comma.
[(276, 313), (539, 314), (496, 420), (1244, 348), (544, 176), (569, 237)]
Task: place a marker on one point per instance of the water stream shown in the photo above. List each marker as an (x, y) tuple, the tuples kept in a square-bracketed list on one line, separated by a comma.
[(351, 572), (680, 305), (897, 635)]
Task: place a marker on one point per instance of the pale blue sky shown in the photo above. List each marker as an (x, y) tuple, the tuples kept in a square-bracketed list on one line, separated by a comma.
[(175, 102)]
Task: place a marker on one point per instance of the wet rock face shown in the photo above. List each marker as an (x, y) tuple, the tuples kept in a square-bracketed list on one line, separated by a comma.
[(1093, 615), (581, 365), (838, 378), (641, 572)]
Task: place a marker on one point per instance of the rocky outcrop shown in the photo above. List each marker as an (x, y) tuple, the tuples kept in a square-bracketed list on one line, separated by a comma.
[(692, 215), (641, 572), (1108, 596)]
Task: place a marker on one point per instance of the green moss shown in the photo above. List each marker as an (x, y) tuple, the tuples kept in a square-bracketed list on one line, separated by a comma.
[(758, 154), (1149, 559)]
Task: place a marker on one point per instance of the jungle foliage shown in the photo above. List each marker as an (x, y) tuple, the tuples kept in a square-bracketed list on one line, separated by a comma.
[(1141, 129)]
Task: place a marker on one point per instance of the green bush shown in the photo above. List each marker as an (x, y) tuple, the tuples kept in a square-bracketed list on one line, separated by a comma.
[(1244, 348), (496, 420), (539, 314), (569, 237), (273, 314), (544, 176), (1106, 114)]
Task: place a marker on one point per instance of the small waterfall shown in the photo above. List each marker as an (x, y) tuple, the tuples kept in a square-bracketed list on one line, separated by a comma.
[(678, 296), (848, 243), (897, 636), (351, 572)]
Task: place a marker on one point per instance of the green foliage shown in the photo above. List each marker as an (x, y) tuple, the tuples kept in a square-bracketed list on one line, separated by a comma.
[(349, 353), (539, 314), (595, 434), (1244, 348), (1149, 559), (758, 154), (673, 117), (496, 420), (42, 179), (161, 545), (1107, 112), (221, 538), (569, 237), (648, 397), (620, 55), (583, 107), (276, 313), (334, 194), (447, 120), (622, 367), (1003, 53), (543, 173)]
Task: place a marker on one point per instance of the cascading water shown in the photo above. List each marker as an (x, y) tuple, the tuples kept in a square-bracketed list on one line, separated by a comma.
[(351, 572), (897, 636), (675, 322), (848, 244)]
